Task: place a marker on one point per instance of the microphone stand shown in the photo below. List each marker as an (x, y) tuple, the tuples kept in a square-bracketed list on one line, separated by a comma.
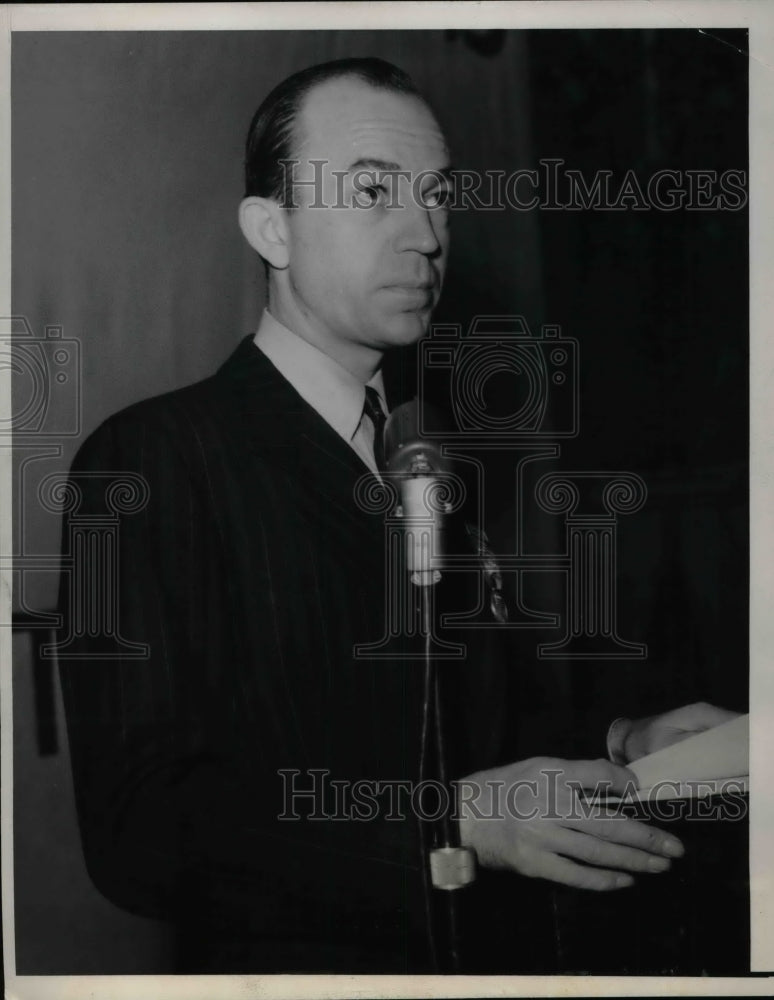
[(447, 865)]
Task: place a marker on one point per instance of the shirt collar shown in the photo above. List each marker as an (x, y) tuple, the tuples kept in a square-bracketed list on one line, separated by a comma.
[(336, 394)]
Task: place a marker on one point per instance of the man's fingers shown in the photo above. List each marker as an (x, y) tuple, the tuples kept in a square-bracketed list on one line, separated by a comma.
[(699, 716), (557, 869), (601, 776), (603, 853), (629, 832)]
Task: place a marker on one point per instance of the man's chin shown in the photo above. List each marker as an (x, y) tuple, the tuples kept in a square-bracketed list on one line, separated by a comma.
[(406, 329)]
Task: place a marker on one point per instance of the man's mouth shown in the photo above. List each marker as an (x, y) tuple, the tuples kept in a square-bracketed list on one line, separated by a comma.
[(415, 287), (423, 293)]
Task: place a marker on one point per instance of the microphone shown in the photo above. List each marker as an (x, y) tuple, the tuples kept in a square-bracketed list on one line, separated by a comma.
[(417, 463)]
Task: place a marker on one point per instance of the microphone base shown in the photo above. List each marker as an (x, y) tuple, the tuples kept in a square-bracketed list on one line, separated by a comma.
[(452, 867)]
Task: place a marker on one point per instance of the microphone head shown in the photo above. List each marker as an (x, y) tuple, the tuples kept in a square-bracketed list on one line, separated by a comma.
[(405, 450)]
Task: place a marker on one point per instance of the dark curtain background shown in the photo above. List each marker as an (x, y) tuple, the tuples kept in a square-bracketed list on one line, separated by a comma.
[(659, 303), (127, 151)]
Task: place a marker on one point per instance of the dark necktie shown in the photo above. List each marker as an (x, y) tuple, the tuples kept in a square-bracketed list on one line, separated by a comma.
[(373, 410)]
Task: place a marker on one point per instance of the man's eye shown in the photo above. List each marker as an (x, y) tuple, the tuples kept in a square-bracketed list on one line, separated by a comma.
[(439, 198), (371, 194)]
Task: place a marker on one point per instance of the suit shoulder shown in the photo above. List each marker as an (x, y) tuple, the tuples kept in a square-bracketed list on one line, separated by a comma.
[(171, 422)]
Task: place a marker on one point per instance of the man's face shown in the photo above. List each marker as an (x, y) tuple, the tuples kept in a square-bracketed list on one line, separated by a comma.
[(368, 267)]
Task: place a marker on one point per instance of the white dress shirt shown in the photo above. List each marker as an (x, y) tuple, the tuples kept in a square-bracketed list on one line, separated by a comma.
[(336, 394)]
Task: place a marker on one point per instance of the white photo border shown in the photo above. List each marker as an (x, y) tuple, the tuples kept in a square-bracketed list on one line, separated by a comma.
[(758, 17)]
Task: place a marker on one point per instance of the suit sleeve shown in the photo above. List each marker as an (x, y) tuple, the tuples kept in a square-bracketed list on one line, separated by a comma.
[(154, 774)]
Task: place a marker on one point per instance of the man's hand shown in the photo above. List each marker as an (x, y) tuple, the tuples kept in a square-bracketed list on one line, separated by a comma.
[(655, 732), (529, 817)]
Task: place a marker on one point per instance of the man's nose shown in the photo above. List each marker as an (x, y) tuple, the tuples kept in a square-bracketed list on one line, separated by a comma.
[(419, 230)]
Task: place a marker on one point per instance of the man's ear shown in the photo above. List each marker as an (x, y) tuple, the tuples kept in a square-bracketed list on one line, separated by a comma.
[(263, 224)]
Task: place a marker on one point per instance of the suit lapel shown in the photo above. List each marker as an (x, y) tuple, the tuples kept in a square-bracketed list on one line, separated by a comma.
[(289, 434)]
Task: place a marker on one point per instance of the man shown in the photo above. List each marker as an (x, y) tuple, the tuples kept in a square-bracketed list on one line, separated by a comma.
[(251, 575)]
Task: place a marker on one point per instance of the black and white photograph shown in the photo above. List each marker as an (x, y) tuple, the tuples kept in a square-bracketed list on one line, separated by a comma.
[(385, 496)]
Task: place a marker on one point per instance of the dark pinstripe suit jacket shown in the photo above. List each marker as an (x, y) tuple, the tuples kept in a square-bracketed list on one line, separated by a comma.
[(250, 574)]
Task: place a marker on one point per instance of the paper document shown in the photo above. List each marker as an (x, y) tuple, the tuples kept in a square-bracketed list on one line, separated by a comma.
[(711, 762)]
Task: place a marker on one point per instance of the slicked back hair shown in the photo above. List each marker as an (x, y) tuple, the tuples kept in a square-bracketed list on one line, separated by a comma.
[(272, 135)]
